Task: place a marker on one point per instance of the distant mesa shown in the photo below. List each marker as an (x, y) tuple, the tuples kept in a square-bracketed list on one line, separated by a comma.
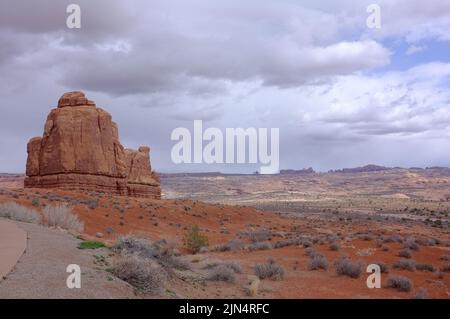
[(363, 169), (80, 150), (297, 171)]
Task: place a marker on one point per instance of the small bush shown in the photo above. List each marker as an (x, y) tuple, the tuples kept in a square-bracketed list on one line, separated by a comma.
[(334, 247), (92, 203), (346, 267), (194, 240), (259, 246), (258, 235), (410, 243), (270, 270), (91, 245), (232, 245), (393, 239), (36, 202), (445, 268), (405, 264), (20, 213), (62, 216), (139, 272), (307, 243), (134, 245), (425, 267), (421, 294), (445, 257), (366, 237), (405, 253), (284, 243), (311, 252), (400, 283), (318, 262), (222, 272), (383, 267), (157, 251)]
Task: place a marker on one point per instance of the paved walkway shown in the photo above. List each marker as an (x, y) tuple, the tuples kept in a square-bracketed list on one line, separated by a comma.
[(42, 270), (13, 242)]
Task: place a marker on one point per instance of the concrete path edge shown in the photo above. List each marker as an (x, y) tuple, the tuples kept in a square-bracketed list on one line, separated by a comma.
[(13, 242)]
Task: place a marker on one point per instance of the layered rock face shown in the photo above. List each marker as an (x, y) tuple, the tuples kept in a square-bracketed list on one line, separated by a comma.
[(80, 150)]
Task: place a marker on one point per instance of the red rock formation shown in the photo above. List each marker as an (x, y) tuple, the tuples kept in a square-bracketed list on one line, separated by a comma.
[(80, 150)]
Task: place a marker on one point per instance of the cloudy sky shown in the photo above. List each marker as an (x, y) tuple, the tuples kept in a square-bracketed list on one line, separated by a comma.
[(341, 93)]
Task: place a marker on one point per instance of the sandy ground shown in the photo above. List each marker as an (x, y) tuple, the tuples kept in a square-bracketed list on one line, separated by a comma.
[(342, 218), (41, 272), (13, 242)]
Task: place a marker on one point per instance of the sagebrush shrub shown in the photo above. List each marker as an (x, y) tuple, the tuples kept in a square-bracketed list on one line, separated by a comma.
[(62, 216), (421, 294), (425, 267), (259, 246), (400, 283), (335, 247), (269, 270), (318, 262), (346, 267), (139, 272), (20, 213), (222, 272), (383, 267), (405, 253), (157, 251), (405, 264)]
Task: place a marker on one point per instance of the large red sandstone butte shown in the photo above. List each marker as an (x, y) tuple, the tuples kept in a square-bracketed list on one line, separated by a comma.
[(80, 150)]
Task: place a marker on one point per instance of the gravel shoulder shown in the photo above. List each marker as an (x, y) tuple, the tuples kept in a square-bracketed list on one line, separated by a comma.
[(41, 271)]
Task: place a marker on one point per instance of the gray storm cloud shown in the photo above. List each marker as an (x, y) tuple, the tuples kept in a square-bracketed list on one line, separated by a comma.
[(311, 68)]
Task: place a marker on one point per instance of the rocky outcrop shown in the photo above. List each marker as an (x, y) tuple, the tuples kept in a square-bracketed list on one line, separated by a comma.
[(80, 150)]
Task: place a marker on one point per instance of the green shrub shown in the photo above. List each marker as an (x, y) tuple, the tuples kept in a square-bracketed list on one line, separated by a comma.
[(194, 240), (36, 202), (91, 244)]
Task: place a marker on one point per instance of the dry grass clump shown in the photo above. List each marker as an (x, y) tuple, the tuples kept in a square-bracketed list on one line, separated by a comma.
[(410, 243), (425, 267), (392, 239), (62, 216), (270, 270), (259, 246), (405, 253), (140, 273), (159, 251), (366, 237), (334, 247), (257, 235), (318, 261), (405, 264), (232, 245), (311, 252), (383, 267), (400, 283), (346, 267), (19, 213), (224, 272), (445, 268), (421, 294)]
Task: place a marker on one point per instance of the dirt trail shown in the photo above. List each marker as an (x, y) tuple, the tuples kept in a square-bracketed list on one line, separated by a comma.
[(41, 271)]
